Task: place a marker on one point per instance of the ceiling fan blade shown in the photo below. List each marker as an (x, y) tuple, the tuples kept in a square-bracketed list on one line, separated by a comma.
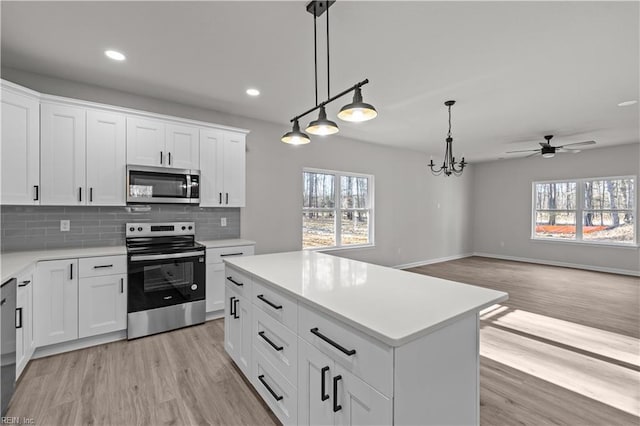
[(524, 150), (578, 144), (533, 155), (562, 149)]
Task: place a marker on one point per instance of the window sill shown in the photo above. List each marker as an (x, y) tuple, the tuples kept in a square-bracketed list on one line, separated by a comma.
[(353, 247), (587, 243)]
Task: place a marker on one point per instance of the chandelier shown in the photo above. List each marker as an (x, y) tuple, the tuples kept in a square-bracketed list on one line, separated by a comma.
[(356, 111), (449, 164)]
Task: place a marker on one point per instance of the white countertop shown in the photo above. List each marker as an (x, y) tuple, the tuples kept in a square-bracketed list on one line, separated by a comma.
[(14, 263), (388, 304)]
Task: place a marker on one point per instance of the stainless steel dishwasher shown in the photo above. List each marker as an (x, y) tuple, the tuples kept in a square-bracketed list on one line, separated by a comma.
[(7, 342)]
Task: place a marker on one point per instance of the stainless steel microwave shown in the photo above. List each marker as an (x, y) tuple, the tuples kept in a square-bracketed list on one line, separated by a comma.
[(162, 185)]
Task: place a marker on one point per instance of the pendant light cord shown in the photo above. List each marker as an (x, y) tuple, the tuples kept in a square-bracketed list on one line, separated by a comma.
[(315, 53), (328, 72), (449, 133)]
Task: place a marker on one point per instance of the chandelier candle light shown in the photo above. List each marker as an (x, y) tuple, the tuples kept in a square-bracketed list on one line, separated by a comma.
[(356, 111), (449, 164)]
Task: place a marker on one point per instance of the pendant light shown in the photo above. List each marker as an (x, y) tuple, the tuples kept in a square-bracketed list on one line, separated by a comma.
[(449, 164), (356, 111)]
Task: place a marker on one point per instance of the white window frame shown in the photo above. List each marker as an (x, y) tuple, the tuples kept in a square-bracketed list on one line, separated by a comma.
[(579, 212), (338, 209)]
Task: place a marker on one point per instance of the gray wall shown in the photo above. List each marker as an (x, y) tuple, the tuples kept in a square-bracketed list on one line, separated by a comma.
[(418, 217), (38, 227), (502, 206)]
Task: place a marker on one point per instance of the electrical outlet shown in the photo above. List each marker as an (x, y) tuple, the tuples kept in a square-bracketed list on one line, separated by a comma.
[(65, 225), (223, 221)]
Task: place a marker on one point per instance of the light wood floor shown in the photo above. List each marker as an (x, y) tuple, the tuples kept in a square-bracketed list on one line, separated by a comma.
[(563, 350)]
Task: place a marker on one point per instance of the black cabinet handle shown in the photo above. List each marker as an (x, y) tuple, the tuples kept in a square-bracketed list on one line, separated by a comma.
[(220, 197), (3, 301), (273, 305), (19, 311), (91, 194), (121, 285), (24, 283), (338, 346), (275, 395), (336, 407), (71, 271), (160, 157), (80, 194), (235, 282), (169, 158), (273, 345), (231, 313), (227, 198), (235, 309), (323, 373), (37, 192), (232, 254), (102, 266)]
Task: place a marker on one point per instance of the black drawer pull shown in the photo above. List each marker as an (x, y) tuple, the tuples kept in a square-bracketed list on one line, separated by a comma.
[(232, 254), (24, 283), (336, 407), (37, 192), (102, 266), (323, 374), (235, 309), (275, 395), (235, 282), (231, 313), (273, 345), (332, 343), (273, 305)]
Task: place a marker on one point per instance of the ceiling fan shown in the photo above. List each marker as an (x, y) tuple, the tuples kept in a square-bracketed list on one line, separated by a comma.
[(548, 151)]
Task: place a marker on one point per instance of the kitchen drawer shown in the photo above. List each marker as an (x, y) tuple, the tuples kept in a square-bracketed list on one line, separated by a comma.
[(372, 361), (280, 307), (280, 395), (277, 343), (217, 255), (239, 281), (105, 265)]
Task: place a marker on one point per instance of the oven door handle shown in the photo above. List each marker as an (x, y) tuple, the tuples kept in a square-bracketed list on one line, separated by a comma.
[(140, 258)]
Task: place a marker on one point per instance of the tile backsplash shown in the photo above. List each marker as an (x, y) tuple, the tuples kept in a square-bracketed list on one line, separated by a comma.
[(38, 227)]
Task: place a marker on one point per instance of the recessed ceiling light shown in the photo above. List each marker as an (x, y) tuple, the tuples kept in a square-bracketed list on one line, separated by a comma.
[(253, 92), (115, 55), (627, 103)]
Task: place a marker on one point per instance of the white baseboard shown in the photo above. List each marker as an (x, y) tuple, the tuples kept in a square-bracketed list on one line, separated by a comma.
[(430, 261), (214, 315), (74, 345), (563, 264)]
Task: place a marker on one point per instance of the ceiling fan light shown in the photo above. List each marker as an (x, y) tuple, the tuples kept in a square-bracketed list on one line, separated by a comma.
[(548, 154), (322, 126), (357, 111), (295, 136)]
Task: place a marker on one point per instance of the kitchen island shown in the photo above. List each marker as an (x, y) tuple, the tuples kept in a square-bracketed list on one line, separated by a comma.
[(328, 340)]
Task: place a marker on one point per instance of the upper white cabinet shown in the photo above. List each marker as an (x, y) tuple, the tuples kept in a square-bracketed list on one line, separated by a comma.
[(222, 168), (160, 144), (106, 158), (20, 147), (62, 147)]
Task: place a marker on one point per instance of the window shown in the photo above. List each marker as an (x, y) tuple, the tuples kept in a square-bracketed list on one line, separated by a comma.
[(337, 209), (598, 210)]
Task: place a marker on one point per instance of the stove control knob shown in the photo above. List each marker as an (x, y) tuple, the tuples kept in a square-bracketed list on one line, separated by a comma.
[(190, 228), (132, 229), (184, 227), (194, 287), (140, 228)]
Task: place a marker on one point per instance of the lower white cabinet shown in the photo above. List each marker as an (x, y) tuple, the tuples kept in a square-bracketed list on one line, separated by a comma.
[(55, 296), (215, 273), (25, 344), (102, 306), (237, 328)]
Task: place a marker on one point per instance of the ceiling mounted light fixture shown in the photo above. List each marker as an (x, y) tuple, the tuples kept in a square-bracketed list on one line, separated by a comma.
[(356, 111), (115, 55), (449, 164)]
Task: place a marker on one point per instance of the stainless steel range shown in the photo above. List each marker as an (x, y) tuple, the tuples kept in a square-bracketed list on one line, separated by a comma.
[(166, 271)]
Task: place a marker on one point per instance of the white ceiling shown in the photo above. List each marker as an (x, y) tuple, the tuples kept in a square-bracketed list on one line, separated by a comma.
[(518, 70)]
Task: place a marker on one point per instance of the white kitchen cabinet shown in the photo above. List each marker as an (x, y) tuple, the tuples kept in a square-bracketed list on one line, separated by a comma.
[(102, 304), (328, 394), (20, 147), (222, 168), (24, 321), (182, 147), (237, 326), (62, 149), (55, 296), (145, 142), (215, 273), (106, 158)]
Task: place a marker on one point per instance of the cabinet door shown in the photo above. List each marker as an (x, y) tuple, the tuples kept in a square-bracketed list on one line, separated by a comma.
[(55, 302), (215, 286), (246, 338), (234, 169), (315, 396), (183, 147), (62, 147), (21, 347), (20, 149), (211, 168), (145, 142), (102, 305), (360, 404), (232, 327), (106, 158)]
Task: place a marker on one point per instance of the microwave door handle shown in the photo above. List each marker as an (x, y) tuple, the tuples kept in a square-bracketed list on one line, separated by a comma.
[(188, 186), (165, 256)]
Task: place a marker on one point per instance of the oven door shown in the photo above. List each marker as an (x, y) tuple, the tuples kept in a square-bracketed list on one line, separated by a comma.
[(157, 280), (161, 185)]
